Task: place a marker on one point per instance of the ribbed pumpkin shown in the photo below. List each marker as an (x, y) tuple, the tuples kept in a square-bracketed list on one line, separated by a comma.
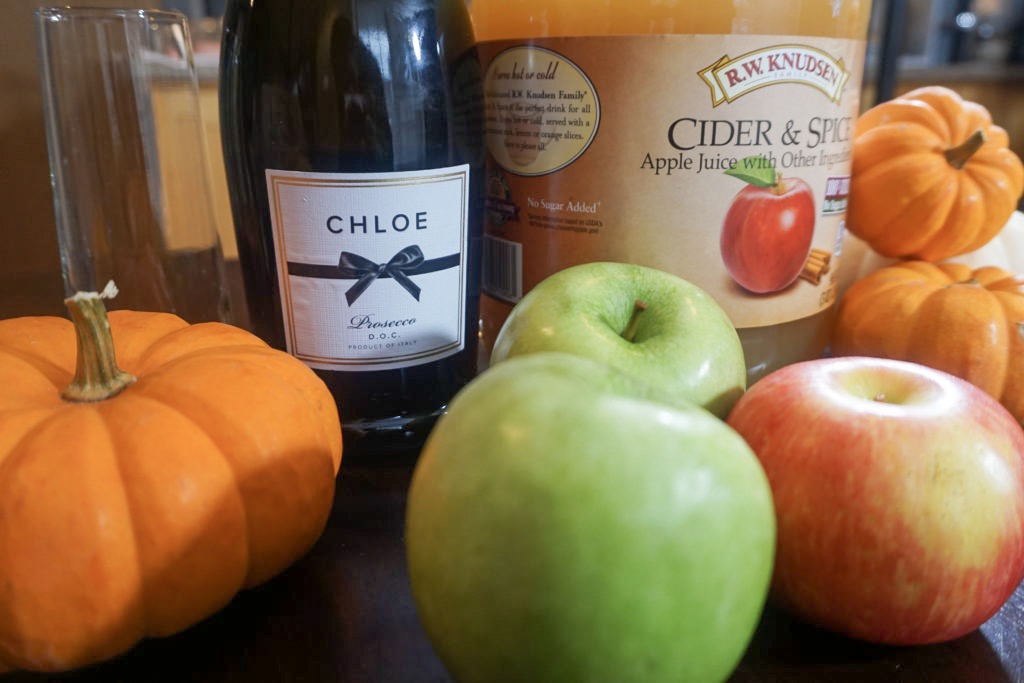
[(135, 503), (932, 176), (969, 323)]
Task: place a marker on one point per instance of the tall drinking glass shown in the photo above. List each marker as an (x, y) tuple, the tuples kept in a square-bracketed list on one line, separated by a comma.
[(127, 160)]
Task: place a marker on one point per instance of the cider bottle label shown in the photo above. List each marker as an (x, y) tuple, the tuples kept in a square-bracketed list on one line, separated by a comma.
[(724, 159), (371, 266)]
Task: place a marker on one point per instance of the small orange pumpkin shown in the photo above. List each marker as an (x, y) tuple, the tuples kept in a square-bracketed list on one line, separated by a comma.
[(932, 176), (135, 505), (969, 323)]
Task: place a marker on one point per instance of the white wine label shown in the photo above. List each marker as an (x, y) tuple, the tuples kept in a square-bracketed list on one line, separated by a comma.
[(371, 266)]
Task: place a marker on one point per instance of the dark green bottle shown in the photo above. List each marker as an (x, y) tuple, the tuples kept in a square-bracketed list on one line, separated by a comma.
[(353, 140)]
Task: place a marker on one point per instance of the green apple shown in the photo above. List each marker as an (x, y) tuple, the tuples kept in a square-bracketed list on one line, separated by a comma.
[(560, 528), (648, 323)]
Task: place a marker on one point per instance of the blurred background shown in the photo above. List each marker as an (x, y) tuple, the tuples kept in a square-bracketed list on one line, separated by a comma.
[(973, 46)]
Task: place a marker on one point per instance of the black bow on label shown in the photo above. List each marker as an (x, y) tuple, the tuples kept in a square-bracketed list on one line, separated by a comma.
[(408, 262), (365, 271)]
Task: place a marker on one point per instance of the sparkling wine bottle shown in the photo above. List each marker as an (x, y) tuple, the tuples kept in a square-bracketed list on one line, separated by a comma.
[(353, 144)]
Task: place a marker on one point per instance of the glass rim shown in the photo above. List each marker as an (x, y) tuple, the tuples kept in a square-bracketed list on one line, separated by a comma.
[(68, 12)]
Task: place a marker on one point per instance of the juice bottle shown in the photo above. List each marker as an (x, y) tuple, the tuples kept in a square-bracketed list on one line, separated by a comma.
[(708, 139)]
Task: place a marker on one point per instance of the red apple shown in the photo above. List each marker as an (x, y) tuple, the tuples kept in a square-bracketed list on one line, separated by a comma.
[(767, 233), (899, 494)]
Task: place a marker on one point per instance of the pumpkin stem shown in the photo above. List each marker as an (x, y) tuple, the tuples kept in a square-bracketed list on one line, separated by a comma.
[(97, 376), (958, 156)]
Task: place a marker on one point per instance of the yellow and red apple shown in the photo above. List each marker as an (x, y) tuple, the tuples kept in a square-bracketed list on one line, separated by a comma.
[(899, 495)]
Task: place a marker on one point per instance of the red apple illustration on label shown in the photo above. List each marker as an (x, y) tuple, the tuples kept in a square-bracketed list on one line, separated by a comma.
[(767, 232)]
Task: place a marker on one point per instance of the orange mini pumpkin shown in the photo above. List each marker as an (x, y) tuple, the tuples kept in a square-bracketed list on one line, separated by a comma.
[(135, 505), (932, 176), (969, 323)]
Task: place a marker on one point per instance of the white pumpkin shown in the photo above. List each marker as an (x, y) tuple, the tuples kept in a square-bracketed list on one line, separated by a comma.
[(1005, 250)]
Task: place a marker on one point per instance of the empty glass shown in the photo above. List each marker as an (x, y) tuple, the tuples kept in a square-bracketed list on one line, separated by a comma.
[(127, 160)]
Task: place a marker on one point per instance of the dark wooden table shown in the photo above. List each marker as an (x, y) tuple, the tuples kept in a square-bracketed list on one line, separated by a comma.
[(344, 613)]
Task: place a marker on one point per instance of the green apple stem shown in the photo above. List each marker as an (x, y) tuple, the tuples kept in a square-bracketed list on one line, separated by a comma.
[(634, 320)]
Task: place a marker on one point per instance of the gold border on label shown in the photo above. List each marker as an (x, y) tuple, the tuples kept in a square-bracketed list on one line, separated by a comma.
[(711, 75), (521, 169)]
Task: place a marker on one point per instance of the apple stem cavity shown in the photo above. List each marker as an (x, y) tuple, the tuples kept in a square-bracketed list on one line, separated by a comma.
[(958, 156), (634, 320)]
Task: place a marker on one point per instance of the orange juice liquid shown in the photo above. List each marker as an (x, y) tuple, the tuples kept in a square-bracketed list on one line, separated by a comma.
[(642, 164)]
